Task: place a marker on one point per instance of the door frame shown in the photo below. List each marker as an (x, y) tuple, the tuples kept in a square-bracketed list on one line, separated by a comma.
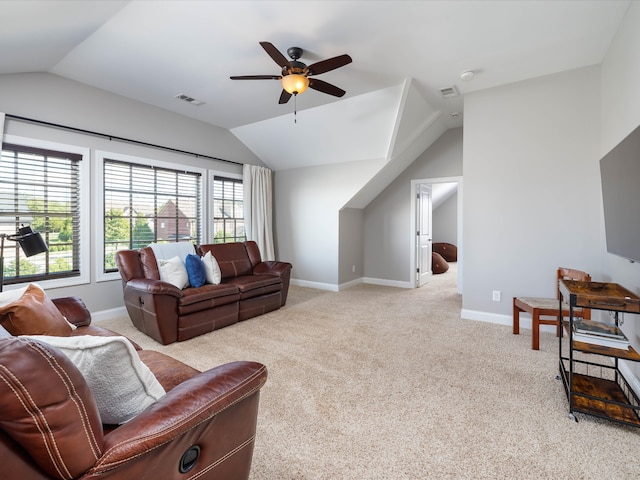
[(413, 236), (423, 277)]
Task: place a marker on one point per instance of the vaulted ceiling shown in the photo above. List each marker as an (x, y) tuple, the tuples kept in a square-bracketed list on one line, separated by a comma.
[(152, 51)]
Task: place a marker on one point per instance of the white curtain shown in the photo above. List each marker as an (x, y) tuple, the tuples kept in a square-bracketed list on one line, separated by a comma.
[(1, 128), (258, 208)]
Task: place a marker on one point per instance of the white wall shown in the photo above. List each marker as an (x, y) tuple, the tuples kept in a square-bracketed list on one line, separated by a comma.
[(445, 221), (620, 115), (532, 197), (307, 205), (350, 257), (54, 99)]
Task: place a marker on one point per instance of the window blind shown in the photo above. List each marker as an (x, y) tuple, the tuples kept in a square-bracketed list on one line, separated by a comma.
[(228, 210), (145, 204), (40, 188)]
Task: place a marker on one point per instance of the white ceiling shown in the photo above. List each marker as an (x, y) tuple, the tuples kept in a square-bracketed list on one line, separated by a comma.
[(153, 50)]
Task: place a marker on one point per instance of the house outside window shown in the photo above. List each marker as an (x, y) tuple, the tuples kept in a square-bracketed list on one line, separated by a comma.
[(228, 211), (148, 203), (40, 186)]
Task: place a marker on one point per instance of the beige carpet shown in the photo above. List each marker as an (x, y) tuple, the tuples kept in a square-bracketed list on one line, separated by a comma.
[(386, 383)]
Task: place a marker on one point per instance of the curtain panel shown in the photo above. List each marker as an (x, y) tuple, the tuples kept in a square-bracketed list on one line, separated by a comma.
[(2, 115), (258, 209)]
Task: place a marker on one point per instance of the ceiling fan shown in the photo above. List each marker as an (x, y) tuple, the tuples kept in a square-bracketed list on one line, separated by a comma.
[(295, 75)]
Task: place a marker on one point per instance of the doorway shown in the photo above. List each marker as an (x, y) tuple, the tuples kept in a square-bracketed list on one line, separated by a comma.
[(440, 190)]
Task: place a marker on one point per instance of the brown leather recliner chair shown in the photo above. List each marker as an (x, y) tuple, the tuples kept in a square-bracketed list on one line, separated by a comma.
[(50, 428)]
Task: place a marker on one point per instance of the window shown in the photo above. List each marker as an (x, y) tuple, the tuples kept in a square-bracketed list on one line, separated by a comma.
[(147, 203), (40, 187), (228, 216)]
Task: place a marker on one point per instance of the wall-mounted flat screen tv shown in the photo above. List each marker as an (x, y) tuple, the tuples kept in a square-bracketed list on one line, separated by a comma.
[(620, 176)]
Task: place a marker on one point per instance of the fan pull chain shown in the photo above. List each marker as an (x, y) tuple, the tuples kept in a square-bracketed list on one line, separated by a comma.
[(295, 109)]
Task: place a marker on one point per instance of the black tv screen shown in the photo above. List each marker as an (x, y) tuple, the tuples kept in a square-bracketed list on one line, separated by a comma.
[(620, 176)]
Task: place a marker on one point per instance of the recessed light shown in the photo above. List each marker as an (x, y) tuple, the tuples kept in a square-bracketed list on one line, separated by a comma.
[(466, 76)]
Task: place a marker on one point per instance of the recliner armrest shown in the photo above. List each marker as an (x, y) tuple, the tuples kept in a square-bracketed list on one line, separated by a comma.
[(74, 310), (272, 267), (183, 418), (154, 287)]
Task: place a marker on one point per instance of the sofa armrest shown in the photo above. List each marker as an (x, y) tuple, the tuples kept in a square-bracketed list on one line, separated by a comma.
[(280, 269), (215, 410), (154, 287), (74, 310), (272, 268)]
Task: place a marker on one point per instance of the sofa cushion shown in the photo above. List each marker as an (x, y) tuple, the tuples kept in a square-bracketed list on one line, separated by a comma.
[(174, 271), (195, 270), (29, 311), (206, 297), (255, 285), (121, 384), (212, 269), (167, 370), (232, 258)]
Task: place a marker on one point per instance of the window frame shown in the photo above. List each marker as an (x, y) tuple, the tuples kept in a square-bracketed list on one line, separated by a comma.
[(84, 202), (100, 157), (210, 186)]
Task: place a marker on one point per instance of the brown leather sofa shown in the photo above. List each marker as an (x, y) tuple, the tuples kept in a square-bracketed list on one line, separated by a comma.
[(249, 287), (204, 427)]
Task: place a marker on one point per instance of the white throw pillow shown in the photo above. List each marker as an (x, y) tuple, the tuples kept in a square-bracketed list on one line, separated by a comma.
[(174, 272), (212, 269), (121, 384)]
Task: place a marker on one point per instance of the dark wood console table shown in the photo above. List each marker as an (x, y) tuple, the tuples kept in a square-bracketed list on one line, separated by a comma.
[(593, 383)]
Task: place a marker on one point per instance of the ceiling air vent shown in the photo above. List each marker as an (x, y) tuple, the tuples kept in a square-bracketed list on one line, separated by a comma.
[(449, 92), (187, 98)]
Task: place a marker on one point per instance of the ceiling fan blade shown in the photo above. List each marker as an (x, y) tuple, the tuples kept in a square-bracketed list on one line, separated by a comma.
[(256, 77), (284, 97), (275, 54), (325, 87), (329, 64)]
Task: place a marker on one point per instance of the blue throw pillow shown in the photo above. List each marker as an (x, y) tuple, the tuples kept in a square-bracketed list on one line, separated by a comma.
[(195, 270)]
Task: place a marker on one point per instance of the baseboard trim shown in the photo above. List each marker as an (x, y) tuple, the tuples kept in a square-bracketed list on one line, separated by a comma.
[(110, 313), (336, 288), (387, 283), (352, 283), (502, 319), (320, 286)]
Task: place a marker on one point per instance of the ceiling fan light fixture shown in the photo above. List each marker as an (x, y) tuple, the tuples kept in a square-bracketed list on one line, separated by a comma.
[(295, 83)]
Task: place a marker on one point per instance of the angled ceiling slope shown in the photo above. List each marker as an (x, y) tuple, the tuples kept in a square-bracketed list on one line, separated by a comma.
[(417, 126), (357, 128)]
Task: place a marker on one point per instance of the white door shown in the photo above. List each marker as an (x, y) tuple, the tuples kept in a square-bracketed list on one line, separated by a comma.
[(423, 234)]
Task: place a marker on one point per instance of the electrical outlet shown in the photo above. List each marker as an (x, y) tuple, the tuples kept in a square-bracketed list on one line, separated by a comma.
[(497, 295)]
